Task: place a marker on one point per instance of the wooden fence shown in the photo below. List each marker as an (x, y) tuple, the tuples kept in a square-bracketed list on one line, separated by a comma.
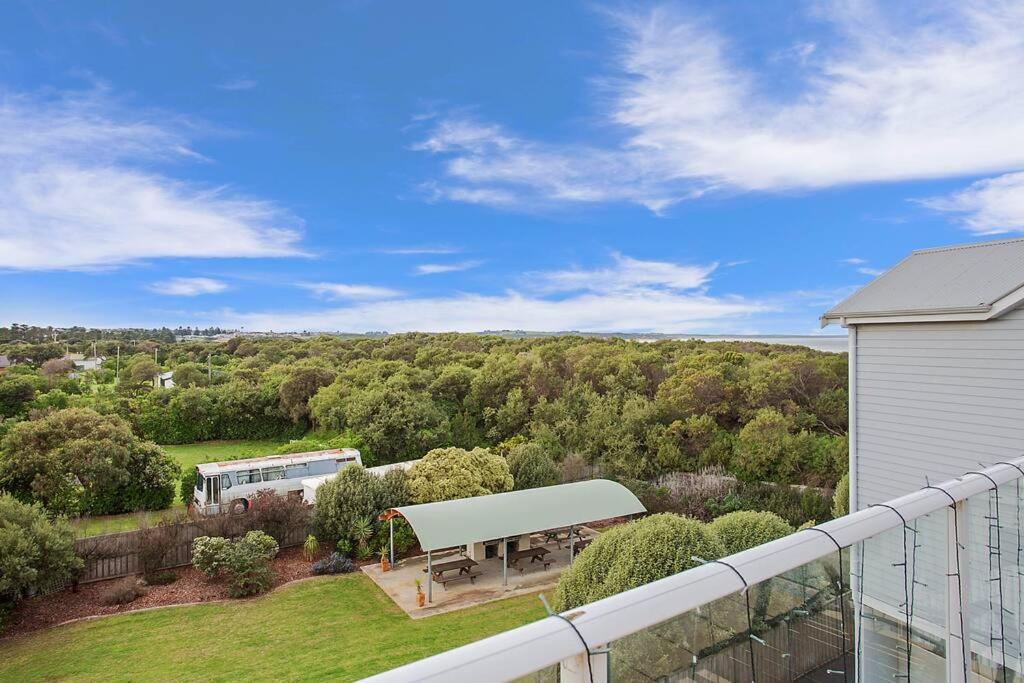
[(115, 555)]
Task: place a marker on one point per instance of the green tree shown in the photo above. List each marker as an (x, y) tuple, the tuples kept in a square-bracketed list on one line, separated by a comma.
[(356, 494), (450, 473), (635, 554), (34, 550), (299, 386), (77, 460), (762, 448), (189, 375), (531, 467), (16, 392)]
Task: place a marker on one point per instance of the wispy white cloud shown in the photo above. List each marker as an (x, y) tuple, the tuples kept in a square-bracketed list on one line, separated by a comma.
[(629, 295), (81, 192), (896, 93), (624, 275), (188, 286), (238, 84), (438, 268), (986, 207), (854, 261), (336, 290), (873, 272)]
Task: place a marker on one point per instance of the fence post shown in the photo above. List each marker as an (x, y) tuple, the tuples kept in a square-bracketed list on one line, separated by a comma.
[(575, 669)]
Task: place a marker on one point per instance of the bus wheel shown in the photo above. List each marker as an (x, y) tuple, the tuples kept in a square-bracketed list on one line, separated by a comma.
[(239, 506)]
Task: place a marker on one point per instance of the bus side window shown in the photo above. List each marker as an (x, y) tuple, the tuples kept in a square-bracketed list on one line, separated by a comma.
[(225, 481), (273, 473), (249, 477)]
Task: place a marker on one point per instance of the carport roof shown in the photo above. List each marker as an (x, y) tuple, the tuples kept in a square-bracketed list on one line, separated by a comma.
[(504, 515)]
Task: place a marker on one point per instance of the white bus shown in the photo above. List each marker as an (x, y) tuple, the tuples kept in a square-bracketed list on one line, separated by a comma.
[(233, 483)]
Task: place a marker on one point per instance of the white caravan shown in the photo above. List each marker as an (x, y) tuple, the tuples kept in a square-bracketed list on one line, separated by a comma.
[(230, 485)]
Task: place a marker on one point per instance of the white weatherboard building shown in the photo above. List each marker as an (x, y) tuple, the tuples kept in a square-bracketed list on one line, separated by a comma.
[(922, 581), (936, 368)]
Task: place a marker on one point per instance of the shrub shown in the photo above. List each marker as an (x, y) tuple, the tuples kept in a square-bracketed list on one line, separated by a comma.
[(121, 591), (450, 473), (278, 515), (187, 485), (245, 561), (634, 554), (356, 494), (531, 467), (841, 498), (335, 564), (34, 550), (344, 546), (209, 554), (248, 564), (738, 531), (405, 537), (310, 548), (156, 542)]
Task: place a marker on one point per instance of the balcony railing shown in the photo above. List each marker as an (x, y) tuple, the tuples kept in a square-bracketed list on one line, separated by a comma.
[(925, 587)]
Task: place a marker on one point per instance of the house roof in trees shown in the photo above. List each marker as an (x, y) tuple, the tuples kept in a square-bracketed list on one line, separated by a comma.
[(505, 515), (976, 281)]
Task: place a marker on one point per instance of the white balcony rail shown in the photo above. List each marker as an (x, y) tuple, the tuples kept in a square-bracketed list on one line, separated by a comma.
[(560, 639)]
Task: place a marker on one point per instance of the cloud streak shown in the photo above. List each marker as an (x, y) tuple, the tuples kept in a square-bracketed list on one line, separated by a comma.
[(439, 268), (81, 190), (986, 207), (337, 290), (188, 286), (895, 94)]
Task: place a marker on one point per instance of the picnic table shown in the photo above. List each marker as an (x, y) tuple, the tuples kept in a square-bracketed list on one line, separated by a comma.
[(463, 564), (535, 553), (561, 535)]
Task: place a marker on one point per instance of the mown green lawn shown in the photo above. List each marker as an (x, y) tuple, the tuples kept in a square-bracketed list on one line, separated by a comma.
[(188, 456), (338, 628)]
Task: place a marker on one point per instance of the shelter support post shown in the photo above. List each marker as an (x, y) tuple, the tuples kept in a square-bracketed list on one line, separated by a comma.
[(504, 562), (430, 579), (572, 546), (391, 541)]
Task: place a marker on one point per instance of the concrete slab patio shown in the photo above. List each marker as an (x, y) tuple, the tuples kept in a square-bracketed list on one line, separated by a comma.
[(400, 582)]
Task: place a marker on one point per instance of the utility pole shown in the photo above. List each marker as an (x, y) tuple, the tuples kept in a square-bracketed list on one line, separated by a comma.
[(209, 369), (117, 366)]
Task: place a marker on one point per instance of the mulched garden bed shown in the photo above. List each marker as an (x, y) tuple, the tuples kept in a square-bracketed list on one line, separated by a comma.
[(191, 587)]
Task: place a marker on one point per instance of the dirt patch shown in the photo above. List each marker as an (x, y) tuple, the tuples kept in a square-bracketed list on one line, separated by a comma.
[(191, 587)]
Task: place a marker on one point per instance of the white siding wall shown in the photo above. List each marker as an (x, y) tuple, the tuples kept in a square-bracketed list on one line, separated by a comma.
[(936, 399)]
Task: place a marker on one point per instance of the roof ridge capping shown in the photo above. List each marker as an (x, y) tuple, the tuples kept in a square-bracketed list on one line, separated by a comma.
[(967, 245), (964, 282)]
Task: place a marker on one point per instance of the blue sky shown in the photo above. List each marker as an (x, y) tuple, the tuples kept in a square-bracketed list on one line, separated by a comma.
[(467, 166)]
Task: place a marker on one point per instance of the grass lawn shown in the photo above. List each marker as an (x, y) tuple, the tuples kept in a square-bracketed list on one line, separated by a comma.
[(338, 628), (188, 456)]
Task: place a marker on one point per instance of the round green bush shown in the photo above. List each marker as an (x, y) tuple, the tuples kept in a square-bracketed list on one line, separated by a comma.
[(450, 473), (744, 529), (634, 554)]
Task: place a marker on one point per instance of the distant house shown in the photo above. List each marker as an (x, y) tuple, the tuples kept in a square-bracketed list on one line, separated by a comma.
[(164, 380)]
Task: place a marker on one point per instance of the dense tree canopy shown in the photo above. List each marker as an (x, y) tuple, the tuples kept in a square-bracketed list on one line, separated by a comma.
[(617, 407)]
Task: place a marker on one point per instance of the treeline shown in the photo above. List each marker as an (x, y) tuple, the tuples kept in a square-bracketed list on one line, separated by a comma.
[(634, 410)]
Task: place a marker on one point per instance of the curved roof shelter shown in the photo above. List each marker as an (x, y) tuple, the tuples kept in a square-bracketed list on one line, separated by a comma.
[(452, 523)]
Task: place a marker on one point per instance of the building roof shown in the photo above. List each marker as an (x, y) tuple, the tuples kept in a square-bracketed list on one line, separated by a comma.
[(504, 515), (964, 282)]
